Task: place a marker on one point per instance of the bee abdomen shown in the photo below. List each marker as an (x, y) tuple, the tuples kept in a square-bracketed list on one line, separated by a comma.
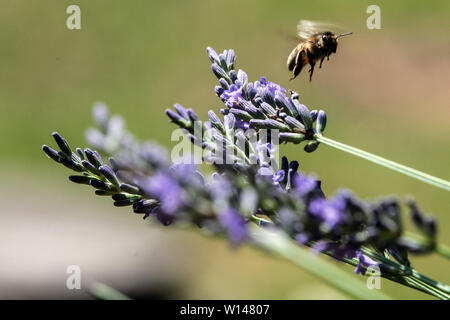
[(293, 56)]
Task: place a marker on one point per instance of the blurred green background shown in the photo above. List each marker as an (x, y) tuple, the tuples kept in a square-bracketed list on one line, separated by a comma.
[(385, 91)]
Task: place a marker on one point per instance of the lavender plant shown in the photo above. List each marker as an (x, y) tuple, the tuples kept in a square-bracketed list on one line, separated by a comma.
[(247, 198)]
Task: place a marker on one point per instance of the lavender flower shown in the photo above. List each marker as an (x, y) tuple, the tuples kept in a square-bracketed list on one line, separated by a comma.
[(235, 226), (329, 213), (141, 176), (364, 263), (232, 95), (165, 188), (264, 104)]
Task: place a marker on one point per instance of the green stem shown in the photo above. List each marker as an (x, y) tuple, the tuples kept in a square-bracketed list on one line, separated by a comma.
[(423, 286), (433, 287), (441, 183), (443, 251), (445, 289), (104, 292)]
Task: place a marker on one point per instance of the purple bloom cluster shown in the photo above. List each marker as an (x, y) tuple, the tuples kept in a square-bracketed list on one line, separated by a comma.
[(264, 104)]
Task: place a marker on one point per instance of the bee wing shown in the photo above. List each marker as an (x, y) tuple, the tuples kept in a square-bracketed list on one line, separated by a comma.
[(307, 28)]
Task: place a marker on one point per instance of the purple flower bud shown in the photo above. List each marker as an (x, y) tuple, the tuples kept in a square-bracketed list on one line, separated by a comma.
[(62, 143), (144, 206), (80, 153), (215, 121), (90, 167), (181, 111), (234, 225), (123, 196), (268, 109), (93, 157), (303, 114), (101, 185), (176, 118), (301, 238), (165, 188), (364, 263), (229, 122), (285, 103), (313, 114), (329, 213), (274, 124), (292, 174), (212, 55), (294, 123), (251, 91), (233, 76), (105, 193), (230, 59), (241, 114), (52, 154), (124, 202), (232, 95), (321, 121), (69, 163), (219, 91), (311, 146), (219, 72), (101, 115), (251, 109), (163, 217), (305, 185), (257, 124), (224, 84), (242, 76), (192, 115), (109, 174), (266, 95), (80, 179)]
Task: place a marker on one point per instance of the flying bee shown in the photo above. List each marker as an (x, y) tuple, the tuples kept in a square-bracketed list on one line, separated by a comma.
[(315, 45)]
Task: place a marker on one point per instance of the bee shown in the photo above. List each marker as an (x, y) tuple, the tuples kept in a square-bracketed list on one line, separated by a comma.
[(314, 46)]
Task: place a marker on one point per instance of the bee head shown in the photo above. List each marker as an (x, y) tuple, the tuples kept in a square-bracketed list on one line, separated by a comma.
[(329, 41)]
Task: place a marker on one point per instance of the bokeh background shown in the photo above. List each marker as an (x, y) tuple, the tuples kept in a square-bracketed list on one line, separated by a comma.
[(385, 91)]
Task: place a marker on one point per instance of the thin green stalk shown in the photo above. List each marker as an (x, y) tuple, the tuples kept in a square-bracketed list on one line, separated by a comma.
[(104, 292), (433, 283), (427, 288), (441, 183), (432, 286)]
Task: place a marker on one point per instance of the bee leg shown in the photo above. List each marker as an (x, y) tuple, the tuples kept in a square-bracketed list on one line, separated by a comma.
[(312, 63), (311, 71), (321, 60), (297, 69)]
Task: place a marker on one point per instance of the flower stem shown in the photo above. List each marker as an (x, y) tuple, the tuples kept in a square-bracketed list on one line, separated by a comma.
[(441, 183)]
